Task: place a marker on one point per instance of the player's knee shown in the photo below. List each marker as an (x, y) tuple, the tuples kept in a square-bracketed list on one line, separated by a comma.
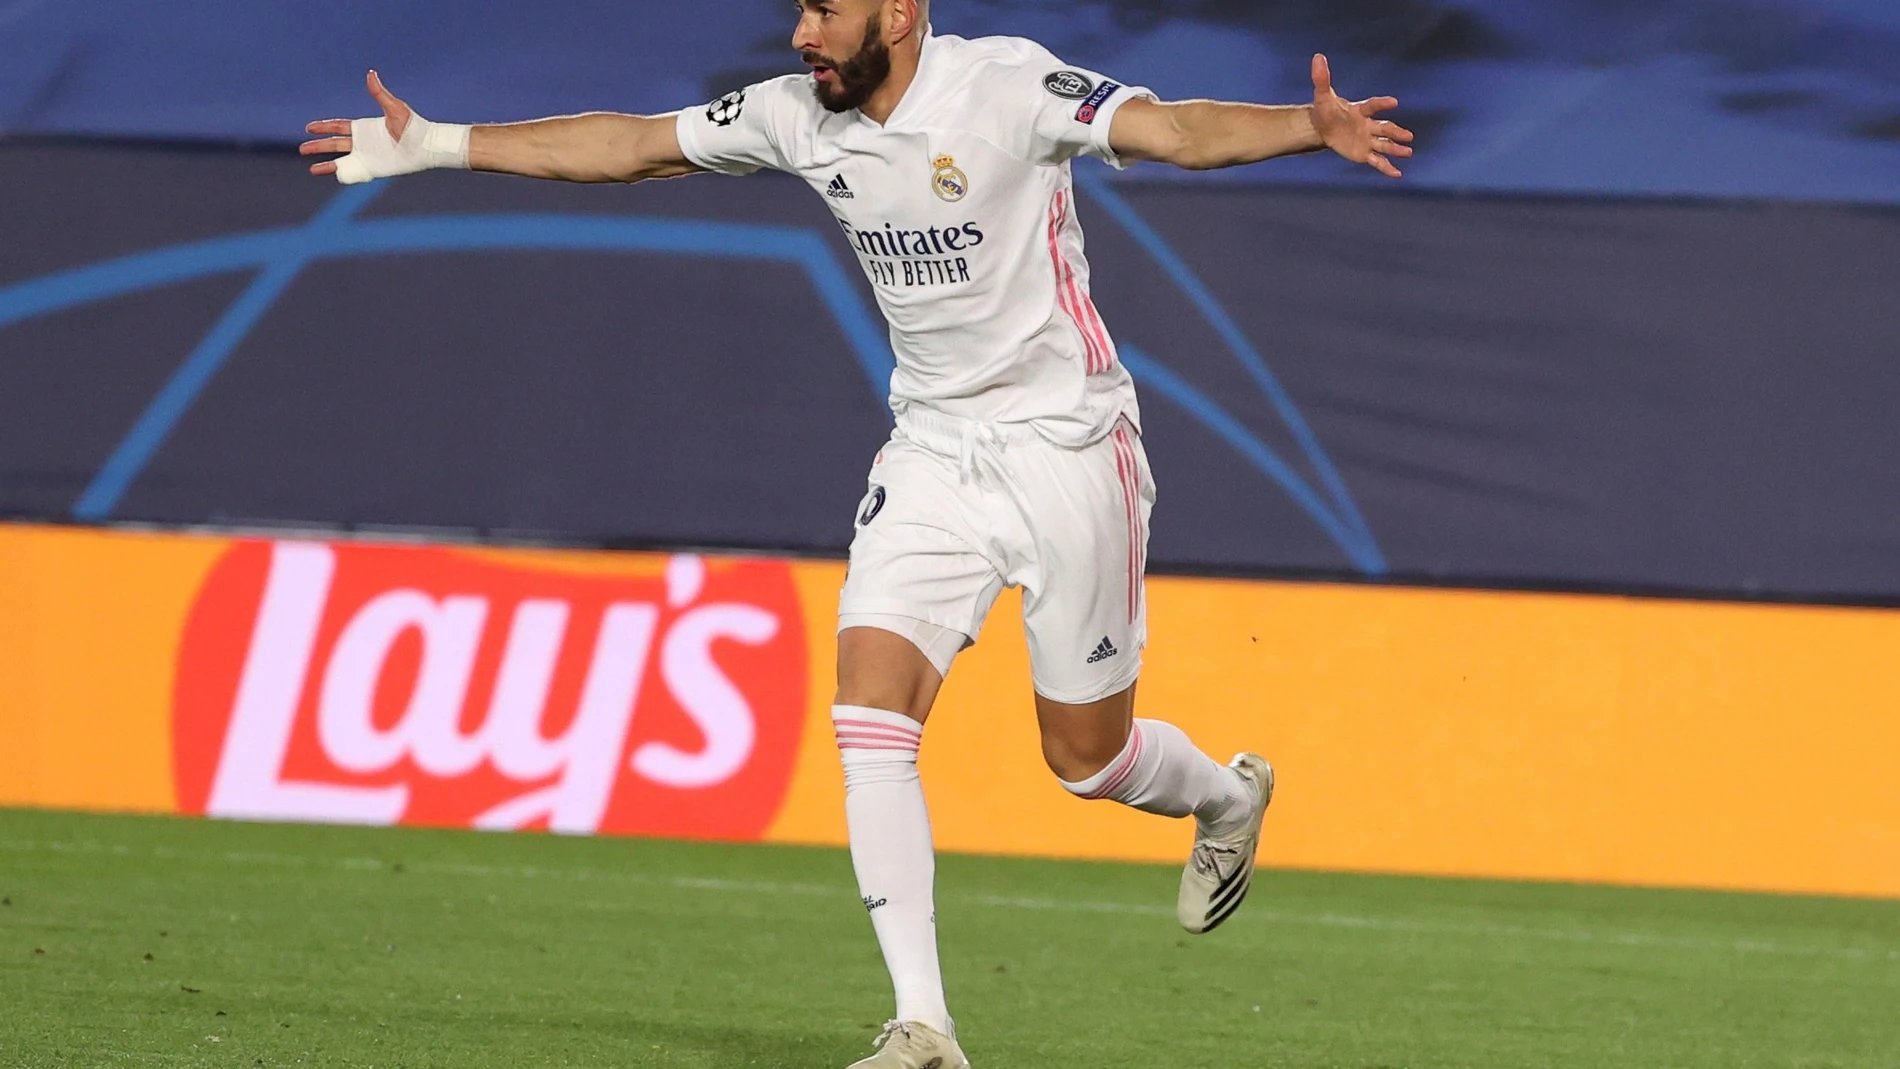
[(881, 695), (1078, 758), (881, 670), (894, 692), (1080, 741)]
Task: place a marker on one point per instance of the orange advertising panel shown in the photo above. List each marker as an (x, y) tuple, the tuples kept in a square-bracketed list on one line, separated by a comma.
[(1443, 732)]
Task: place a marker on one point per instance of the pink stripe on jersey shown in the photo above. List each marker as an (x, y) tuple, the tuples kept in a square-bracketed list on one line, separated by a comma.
[(1066, 281), (1108, 347), (1091, 320), (1076, 311), (1066, 293)]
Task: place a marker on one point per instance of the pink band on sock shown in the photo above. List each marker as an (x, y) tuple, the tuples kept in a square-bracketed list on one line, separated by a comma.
[(881, 734), (1124, 766), (913, 732), (847, 743)]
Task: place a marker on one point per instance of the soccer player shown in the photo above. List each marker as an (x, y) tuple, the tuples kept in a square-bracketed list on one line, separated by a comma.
[(1017, 457)]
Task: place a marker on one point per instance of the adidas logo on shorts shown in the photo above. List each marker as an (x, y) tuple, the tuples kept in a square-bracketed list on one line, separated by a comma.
[(1103, 652), (837, 190)]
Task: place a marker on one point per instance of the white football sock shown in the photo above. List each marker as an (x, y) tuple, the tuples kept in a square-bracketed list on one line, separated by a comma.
[(892, 853), (1161, 771)]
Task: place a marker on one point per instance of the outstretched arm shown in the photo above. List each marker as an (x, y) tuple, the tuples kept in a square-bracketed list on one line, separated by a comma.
[(1201, 135), (597, 147)]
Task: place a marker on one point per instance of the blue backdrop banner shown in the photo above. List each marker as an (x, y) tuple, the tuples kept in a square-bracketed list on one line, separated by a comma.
[(1642, 394), (1754, 98)]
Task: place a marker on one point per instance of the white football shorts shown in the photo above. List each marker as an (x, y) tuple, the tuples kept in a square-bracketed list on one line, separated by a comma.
[(957, 510)]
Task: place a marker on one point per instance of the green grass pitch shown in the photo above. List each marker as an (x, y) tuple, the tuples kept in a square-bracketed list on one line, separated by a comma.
[(150, 942)]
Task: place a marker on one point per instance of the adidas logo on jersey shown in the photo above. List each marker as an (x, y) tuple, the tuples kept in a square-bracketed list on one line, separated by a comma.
[(837, 190), (1103, 652)]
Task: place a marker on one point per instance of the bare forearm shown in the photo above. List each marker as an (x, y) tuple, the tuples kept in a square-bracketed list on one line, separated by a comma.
[(1211, 134), (1201, 135), (596, 147)]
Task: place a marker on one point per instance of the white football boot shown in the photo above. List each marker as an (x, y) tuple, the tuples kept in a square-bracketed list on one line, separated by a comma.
[(1220, 871), (909, 1045)]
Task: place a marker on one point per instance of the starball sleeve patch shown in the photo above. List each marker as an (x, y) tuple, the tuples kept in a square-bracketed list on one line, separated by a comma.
[(726, 110)]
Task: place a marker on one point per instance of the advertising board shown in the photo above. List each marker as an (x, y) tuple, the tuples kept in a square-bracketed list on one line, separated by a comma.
[(1509, 735)]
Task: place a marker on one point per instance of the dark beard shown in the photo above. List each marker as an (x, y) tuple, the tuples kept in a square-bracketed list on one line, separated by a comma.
[(858, 77)]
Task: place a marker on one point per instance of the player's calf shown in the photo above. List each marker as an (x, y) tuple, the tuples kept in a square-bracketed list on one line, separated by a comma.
[(1159, 770)]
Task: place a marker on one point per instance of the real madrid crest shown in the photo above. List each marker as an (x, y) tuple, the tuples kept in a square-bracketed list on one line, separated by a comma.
[(948, 181)]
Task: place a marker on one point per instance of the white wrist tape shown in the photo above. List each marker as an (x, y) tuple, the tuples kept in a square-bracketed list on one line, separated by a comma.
[(374, 154)]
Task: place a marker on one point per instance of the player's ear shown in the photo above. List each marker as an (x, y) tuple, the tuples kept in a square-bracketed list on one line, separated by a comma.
[(905, 17)]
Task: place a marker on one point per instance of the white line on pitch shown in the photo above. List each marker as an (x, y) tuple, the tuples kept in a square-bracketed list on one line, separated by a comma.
[(700, 883)]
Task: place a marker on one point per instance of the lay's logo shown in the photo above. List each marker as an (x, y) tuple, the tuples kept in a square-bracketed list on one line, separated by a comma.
[(378, 685)]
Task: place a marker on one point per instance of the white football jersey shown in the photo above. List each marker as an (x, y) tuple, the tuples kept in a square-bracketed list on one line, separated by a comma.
[(961, 210)]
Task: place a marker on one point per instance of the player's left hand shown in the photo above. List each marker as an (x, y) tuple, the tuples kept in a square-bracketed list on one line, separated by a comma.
[(1353, 129)]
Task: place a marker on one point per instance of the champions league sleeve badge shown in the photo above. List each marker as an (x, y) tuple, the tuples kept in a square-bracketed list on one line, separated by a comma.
[(726, 110), (947, 180)]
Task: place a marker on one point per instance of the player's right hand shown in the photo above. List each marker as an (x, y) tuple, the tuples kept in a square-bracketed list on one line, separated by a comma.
[(397, 142)]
